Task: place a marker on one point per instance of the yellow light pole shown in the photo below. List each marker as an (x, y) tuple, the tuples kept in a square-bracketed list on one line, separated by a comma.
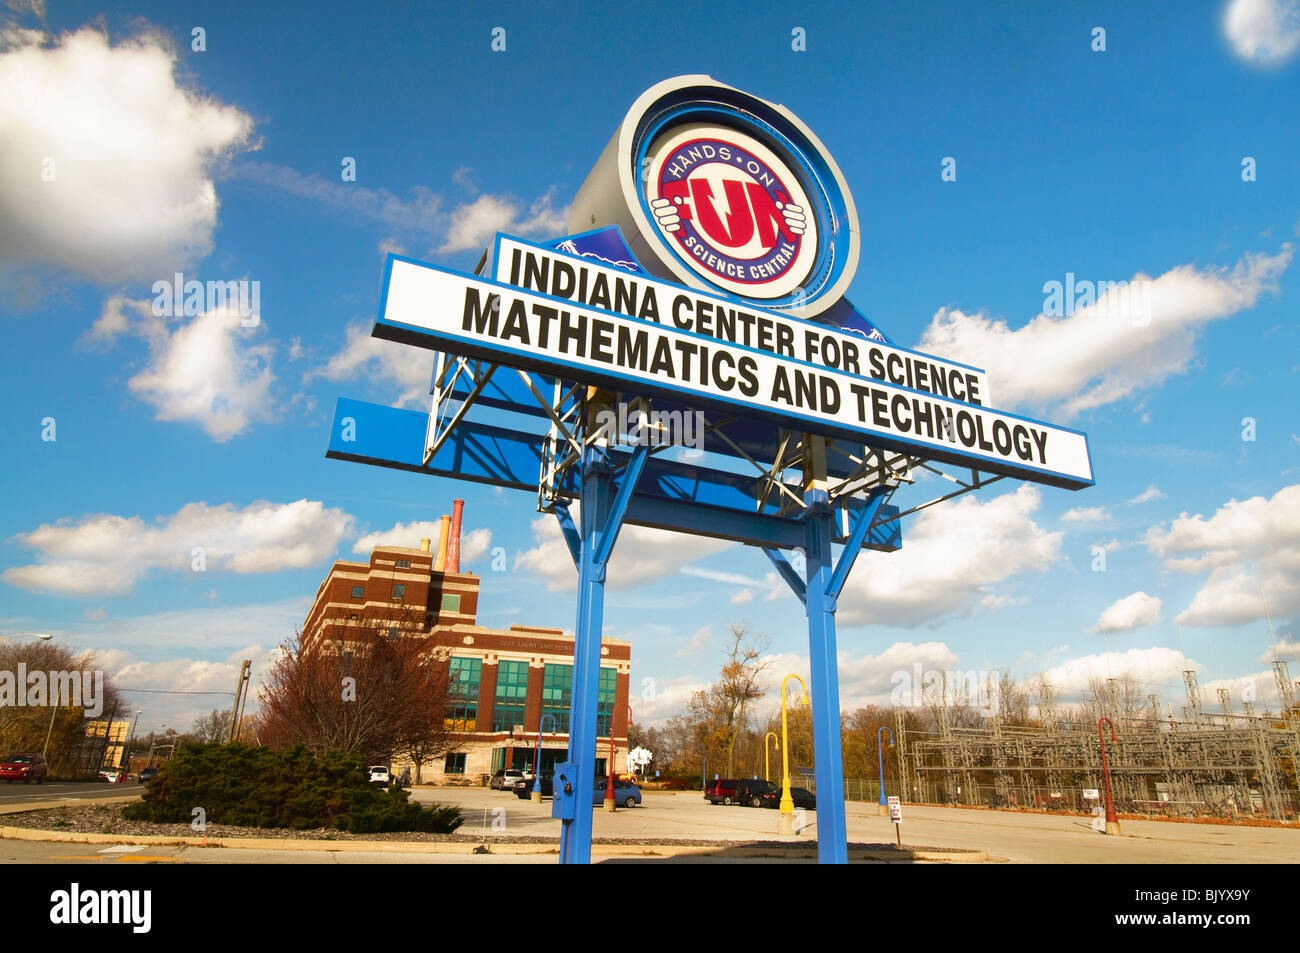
[(772, 736), (785, 822)]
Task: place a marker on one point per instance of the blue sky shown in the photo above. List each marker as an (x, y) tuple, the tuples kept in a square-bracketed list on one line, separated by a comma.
[(225, 164)]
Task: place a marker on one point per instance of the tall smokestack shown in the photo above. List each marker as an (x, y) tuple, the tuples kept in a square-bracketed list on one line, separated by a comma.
[(424, 545), (453, 542), (440, 561)]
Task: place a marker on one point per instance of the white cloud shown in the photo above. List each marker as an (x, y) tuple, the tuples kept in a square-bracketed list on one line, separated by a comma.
[(1151, 668), (1284, 648), (1104, 352), (473, 225), (1148, 495), (406, 369), (133, 154), (106, 554), (1248, 547), (1090, 514), (211, 371), (742, 596), (866, 679), (952, 558), (1265, 32), (641, 555), (422, 217), (473, 543), (669, 697), (702, 637), (1131, 612), (215, 678)]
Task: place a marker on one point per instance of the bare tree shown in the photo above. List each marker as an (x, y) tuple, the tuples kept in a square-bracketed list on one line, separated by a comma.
[(214, 726), (723, 707), (376, 696)]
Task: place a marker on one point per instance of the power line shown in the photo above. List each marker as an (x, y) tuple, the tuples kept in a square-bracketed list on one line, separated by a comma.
[(162, 691)]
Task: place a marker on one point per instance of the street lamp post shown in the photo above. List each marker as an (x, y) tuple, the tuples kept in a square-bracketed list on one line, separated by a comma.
[(771, 735), (609, 787), (1112, 821), (131, 741), (43, 636), (537, 759), (883, 808), (785, 819)]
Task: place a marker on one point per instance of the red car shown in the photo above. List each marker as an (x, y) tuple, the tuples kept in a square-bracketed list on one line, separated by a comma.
[(721, 790), (24, 767)]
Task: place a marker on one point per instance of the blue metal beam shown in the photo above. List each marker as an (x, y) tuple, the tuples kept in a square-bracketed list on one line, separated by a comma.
[(824, 684), (787, 573), (854, 544), (669, 495), (570, 532), (618, 509)]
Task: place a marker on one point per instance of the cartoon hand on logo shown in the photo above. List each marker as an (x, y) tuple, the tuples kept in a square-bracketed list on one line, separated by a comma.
[(666, 214), (794, 217)]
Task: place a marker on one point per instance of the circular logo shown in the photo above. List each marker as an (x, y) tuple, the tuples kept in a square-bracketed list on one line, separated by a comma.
[(731, 209)]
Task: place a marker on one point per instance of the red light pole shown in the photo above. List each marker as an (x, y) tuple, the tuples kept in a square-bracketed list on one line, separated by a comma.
[(1112, 821), (609, 769)]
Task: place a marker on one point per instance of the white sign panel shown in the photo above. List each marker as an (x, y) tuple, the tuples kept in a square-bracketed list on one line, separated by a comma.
[(895, 809), (586, 282), (762, 375)]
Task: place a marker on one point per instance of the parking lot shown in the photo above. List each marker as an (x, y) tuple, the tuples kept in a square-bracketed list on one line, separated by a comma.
[(1017, 837)]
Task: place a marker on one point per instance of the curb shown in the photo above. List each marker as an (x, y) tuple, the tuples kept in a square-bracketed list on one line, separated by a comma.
[(66, 802), (477, 847)]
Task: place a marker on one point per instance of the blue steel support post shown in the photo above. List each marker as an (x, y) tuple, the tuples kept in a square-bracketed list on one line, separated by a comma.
[(602, 513), (824, 684)]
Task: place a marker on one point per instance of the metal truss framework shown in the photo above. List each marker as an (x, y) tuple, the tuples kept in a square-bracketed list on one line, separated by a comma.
[(775, 489), (1226, 763)]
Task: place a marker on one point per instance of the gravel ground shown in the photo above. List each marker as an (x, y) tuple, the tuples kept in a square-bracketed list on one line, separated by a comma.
[(108, 819)]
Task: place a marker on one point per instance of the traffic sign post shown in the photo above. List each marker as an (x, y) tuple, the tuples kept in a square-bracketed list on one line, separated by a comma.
[(896, 815)]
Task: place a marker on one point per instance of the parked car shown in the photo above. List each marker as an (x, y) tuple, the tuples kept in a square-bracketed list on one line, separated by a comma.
[(505, 780), (379, 774), (721, 791), (756, 793), (111, 775), (802, 797), (625, 792), (25, 768), (523, 787), (147, 775)]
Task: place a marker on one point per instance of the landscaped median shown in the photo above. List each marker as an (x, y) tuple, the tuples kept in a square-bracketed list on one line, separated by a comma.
[(104, 824)]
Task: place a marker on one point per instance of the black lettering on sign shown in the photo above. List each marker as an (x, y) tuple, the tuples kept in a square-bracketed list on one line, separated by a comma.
[(480, 317), (516, 322)]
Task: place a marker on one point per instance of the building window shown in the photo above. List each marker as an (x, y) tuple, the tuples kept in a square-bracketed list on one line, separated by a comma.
[(393, 632), (557, 694), (455, 764), (511, 697), (403, 564), (354, 617), (605, 701), (451, 602), (399, 591), (463, 676), (358, 592)]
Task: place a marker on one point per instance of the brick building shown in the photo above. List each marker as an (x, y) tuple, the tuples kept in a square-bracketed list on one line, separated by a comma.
[(504, 682)]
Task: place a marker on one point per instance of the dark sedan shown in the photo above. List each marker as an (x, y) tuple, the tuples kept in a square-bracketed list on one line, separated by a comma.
[(802, 797), (524, 789)]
